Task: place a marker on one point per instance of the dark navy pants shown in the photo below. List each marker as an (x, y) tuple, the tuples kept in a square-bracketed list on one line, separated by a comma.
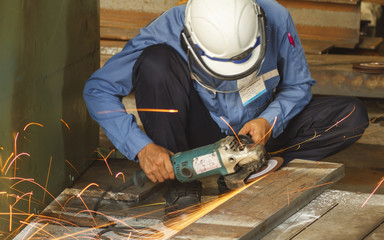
[(161, 80)]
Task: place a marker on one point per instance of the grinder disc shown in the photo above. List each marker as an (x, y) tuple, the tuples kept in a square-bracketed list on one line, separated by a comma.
[(272, 165)]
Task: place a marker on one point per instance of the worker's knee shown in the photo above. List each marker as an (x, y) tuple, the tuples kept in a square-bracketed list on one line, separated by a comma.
[(156, 66), (355, 116)]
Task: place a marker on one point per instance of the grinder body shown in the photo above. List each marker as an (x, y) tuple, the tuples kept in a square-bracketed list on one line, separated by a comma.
[(225, 157)]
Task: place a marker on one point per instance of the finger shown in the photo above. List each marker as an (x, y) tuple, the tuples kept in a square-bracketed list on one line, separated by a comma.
[(245, 130), (169, 168), (158, 176), (257, 137), (152, 178)]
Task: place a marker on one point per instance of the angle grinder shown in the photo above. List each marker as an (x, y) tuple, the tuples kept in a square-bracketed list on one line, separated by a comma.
[(234, 159)]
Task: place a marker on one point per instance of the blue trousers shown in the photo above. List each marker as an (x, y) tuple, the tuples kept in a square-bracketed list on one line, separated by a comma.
[(162, 80)]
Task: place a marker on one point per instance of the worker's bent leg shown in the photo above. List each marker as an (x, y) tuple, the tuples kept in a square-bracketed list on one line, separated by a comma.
[(162, 81), (326, 126)]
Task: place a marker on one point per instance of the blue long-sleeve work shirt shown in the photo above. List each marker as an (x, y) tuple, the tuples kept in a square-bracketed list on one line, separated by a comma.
[(284, 70)]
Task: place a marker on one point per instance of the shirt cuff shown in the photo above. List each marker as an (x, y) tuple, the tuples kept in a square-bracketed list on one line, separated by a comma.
[(137, 141)]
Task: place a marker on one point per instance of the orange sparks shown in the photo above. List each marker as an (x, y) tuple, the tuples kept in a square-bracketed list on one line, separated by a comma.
[(9, 158), (237, 137), (94, 221), (38, 230), (296, 145), (66, 202), (178, 225), (46, 181), (33, 181), (29, 202), (122, 174), (25, 222), (141, 110), (14, 161), (65, 124), (377, 187), (270, 130), (334, 125), (18, 198), (41, 228), (72, 166), (375, 118), (10, 218), (105, 159), (15, 151), (32, 123), (88, 186)]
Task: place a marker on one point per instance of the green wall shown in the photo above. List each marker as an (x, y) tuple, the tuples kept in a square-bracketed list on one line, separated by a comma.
[(48, 49)]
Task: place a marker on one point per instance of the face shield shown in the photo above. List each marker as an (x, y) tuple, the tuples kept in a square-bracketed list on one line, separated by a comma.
[(228, 67)]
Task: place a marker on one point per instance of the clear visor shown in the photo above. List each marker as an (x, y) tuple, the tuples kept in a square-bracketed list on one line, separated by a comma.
[(218, 85)]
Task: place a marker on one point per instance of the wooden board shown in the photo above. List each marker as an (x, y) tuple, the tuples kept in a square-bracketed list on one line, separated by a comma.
[(248, 215), (335, 215), (123, 24), (370, 43), (316, 46)]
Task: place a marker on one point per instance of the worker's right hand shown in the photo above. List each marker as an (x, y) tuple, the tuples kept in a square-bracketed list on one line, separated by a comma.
[(156, 163)]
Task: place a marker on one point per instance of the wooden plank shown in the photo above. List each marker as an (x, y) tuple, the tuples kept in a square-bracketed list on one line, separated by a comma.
[(113, 43), (370, 43), (335, 215), (266, 204), (123, 24), (335, 76), (315, 46)]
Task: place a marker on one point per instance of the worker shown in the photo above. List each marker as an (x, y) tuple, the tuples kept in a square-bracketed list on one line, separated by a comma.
[(220, 64)]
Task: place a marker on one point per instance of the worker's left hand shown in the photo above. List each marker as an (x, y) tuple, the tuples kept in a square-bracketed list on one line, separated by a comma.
[(258, 129)]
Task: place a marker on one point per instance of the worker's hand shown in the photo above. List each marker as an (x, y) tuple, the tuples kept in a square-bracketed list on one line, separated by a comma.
[(258, 129), (156, 163)]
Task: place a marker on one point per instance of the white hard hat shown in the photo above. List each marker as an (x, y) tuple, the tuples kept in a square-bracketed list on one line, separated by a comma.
[(225, 37)]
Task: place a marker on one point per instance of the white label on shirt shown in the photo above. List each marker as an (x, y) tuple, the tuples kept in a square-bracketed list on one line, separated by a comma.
[(206, 163), (256, 88)]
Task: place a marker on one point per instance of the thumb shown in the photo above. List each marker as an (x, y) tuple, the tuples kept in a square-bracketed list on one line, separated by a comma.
[(245, 130)]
